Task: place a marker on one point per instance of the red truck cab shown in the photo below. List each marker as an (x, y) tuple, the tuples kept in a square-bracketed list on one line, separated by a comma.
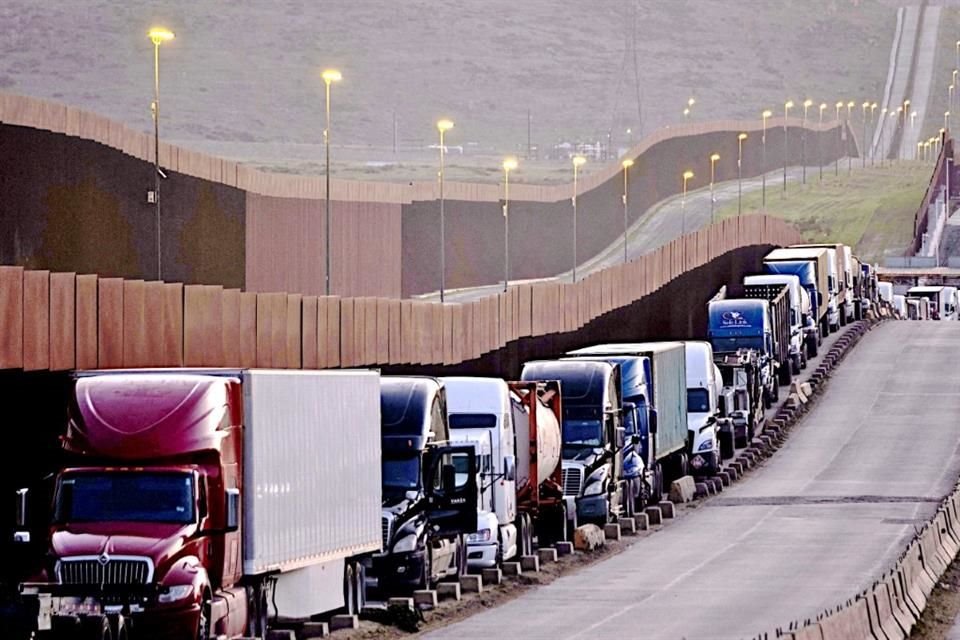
[(145, 531)]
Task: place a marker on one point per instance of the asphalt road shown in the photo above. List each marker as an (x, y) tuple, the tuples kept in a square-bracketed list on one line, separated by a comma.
[(820, 521)]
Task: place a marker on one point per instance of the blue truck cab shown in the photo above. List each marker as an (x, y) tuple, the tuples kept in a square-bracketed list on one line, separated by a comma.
[(735, 324), (805, 270)]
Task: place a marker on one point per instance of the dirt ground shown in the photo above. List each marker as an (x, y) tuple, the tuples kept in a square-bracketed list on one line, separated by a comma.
[(943, 607)]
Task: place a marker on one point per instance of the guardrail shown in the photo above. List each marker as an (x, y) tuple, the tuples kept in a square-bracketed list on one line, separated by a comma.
[(62, 321)]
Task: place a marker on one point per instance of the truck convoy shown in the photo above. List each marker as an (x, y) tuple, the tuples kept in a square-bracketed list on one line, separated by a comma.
[(423, 532), (517, 424), (199, 503)]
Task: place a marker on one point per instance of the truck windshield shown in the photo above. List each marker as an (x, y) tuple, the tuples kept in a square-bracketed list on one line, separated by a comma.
[(401, 474), (472, 421), (582, 432), (698, 401), (721, 345), (125, 497)]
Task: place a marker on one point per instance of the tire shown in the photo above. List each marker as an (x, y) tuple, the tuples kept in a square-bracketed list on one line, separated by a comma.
[(630, 501), (97, 629), (121, 628), (204, 622), (349, 590), (426, 576), (727, 446), (570, 524), (656, 491), (813, 348), (527, 535), (359, 575), (643, 499), (803, 359), (776, 391), (796, 364)]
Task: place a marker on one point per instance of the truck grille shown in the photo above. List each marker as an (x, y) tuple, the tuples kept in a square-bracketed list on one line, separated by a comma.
[(572, 479), (104, 571), (386, 523)]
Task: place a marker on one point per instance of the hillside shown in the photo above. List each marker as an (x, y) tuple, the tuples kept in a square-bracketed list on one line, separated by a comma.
[(242, 78)]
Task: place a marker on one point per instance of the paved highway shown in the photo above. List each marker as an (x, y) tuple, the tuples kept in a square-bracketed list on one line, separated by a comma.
[(823, 518)]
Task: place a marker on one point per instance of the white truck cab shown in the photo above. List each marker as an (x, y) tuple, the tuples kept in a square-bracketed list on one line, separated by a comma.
[(704, 385), (480, 412)]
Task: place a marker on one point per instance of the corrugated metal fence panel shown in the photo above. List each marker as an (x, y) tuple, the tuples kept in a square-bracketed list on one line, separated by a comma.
[(36, 320), (294, 335), (348, 355), (153, 313), (230, 309), (248, 329), (110, 323), (395, 323), (172, 318), (383, 331), (310, 352), (63, 315), (134, 325), (86, 321)]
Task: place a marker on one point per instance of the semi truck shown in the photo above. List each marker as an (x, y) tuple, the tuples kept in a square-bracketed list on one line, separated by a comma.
[(842, 268), (521, 497), (423, 534), (800, 318), (742, 397), (942, 300), (199, 503), (704, 385), (825, 277), (666, 398), (736, 324), (593, 437), (778, 301)]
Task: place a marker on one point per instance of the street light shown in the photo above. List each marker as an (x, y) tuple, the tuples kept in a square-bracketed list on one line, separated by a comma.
[(740, 139), (687, 175), (578, 161), (836, 162), (329, 77), (713, 163), (865, 106), (823, 105), (786, 113), (873, 108), (157, 35), (946, 120), (443, 126), (926, 150), (509, 164), (953, 80), (919, 151), (803, 148), (850, 106), (883, 131), (686, 112), (626, 210), (763, 143)]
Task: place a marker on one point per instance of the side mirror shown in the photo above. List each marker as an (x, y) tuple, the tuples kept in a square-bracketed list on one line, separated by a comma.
[(22, 507), (233, 510), (509, 468), (819, 298), (654, 421), (620, 437), (448, 478)]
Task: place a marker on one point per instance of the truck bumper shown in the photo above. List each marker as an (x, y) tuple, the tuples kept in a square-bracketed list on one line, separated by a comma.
[(593, 508), (149, 624), (482, 555), (706, 463), (396, 570)]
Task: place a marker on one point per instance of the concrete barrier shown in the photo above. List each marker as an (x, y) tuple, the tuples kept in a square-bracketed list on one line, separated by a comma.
[(898, 602), (933, 561), (471, 584), (564, 548), (849, 623), (654, 515), (492, 575), (343, 621), (448, 590), (512, 569), (682, 490), (809, 632), (916, 582), (883, 621), (530, 563), (667, 509), (642, 520), (311, 630), (548, 555), (427, 598)]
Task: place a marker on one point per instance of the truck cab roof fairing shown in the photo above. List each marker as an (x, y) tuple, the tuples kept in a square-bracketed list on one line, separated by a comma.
[(127, 416)]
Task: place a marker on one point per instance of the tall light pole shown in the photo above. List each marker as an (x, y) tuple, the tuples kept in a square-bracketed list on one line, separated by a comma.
[(763, 144), (919, 151), (687, 175), (626, 200), (913, 123), (157, 35), (883, 132), (863, 153), (850, 106), (713, 164), (740, 139), (578, 161), (786, 113), (443, 126), (509, 164), (893, 131), (329, 77), (953, 81), (946, 120), (836, 162), (926, 150), (823, 105), (803, 144)]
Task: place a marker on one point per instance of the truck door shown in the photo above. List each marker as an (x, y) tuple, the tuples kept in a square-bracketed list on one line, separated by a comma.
[(450, 481)]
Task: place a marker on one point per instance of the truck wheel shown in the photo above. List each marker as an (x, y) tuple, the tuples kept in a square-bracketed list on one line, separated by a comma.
[(349, 590), (121, 628), (803, 359), (461, 556), (813, 347), (204, 623), (97, 628), (426, 577), (527, 535)]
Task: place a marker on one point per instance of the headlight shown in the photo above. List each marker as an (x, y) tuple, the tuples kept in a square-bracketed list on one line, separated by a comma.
[(406, 543), (480, 536), (594, 488), (175, 593), (706, 445)]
